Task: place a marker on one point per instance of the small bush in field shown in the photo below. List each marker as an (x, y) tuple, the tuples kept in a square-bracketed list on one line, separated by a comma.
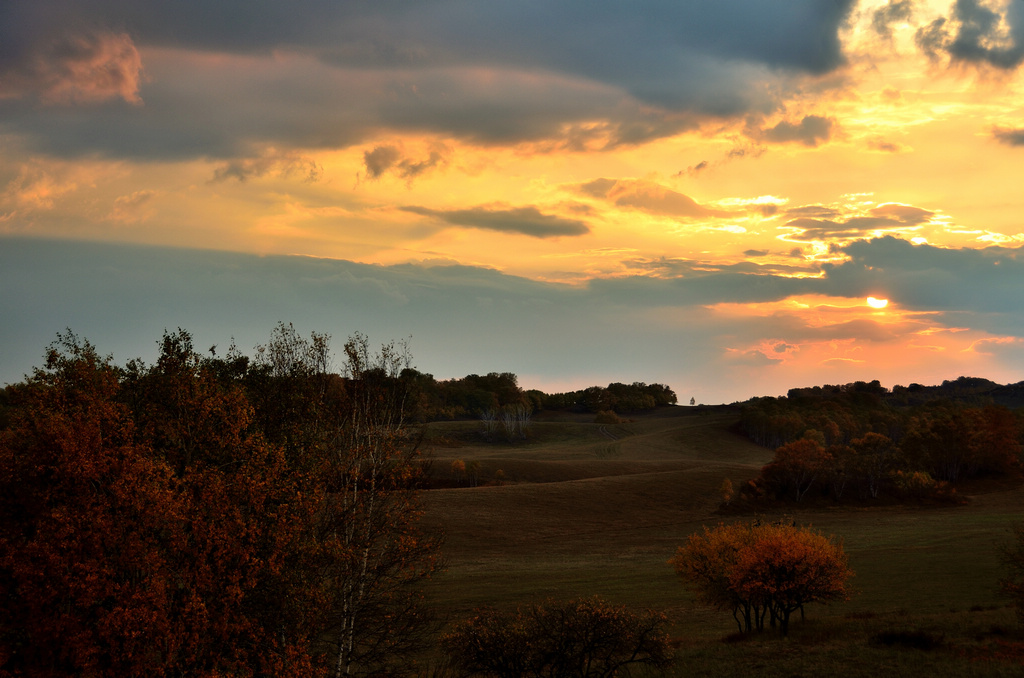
[(585, 637), (608, 417)]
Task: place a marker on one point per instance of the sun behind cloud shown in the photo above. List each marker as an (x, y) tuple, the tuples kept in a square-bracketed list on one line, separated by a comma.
[(874, 302)]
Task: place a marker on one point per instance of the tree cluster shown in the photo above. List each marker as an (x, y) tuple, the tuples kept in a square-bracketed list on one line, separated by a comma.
[(760, 571), (476, 396), (579, 639), (616, 397), (855, 442), (210, 516), (469, 397)]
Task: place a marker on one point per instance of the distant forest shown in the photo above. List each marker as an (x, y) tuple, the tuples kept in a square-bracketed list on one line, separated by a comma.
[(475, 396), (863, 442)]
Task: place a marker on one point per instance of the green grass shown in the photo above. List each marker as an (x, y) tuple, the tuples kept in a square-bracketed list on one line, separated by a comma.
[(586, 514)]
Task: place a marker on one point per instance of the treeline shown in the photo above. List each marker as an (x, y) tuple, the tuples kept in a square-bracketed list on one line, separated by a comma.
[(486, 396), (211, 516), (865, 442), (618, 398)]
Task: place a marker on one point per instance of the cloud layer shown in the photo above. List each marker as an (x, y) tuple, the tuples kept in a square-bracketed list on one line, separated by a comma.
[(464, 319), (494, 73)]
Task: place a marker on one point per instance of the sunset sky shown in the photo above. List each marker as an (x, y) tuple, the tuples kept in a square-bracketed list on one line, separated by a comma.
[(702, 194)]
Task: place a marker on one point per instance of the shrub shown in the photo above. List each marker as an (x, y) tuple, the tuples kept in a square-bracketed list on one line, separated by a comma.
[(586, 637), (608, 417)]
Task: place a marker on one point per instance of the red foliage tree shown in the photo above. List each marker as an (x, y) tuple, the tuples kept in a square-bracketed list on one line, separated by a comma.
[(87, 522)]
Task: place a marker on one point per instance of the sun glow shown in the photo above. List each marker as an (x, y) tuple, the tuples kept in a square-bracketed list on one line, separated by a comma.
[(877, 303)]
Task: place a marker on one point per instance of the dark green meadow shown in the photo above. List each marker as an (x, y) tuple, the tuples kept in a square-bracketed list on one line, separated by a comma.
[(584, 509)]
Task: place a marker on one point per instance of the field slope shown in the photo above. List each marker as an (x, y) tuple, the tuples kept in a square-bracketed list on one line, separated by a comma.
[(595, 509)]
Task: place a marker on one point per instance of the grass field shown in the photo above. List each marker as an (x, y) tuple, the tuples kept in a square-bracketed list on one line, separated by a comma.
[(588, 509)]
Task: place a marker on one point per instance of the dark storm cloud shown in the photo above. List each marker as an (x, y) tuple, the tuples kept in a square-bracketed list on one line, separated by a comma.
[(524, 220), (974, 34), (380, 160), (812, 130), (923, 277), (1009, 136), (229, 107), (897, 11), (86, 67), (979, 39), (491, 72), (609, 39)]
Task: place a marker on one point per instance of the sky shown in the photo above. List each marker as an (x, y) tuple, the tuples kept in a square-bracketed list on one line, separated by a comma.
[(699, 194)]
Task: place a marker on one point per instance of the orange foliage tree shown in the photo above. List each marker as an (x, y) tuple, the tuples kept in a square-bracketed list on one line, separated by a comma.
[(758, 570), (153, 523)]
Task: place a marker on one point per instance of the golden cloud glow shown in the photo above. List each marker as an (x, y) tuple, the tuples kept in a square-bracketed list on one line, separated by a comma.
[(874, 302)]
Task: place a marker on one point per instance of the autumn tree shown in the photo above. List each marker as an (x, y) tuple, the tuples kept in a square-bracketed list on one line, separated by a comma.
[(873, 460), (726, 491), (761, 570), (797, 466), (581, 638), (954, 442), (458, 470), (75, 488), (154, 523), (708, 564), (132, 548), (357, 460)]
